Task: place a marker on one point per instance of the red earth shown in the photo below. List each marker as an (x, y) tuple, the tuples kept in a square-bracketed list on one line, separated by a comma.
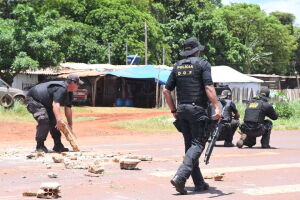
[(260, 174)]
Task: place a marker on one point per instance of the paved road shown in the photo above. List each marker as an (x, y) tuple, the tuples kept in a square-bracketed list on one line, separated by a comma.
[(260, 174)]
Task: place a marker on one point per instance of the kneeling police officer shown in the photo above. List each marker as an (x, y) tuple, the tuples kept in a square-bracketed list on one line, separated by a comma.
[(44, 101), (230, 119), (255, 124)]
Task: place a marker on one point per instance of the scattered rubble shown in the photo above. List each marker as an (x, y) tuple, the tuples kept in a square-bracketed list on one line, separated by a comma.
[(52, 175), (129, 164), (58, 158)]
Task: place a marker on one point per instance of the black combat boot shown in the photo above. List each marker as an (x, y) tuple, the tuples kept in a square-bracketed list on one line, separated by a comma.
[(228, 144), (40, 147), (179, 184), (59, 147), (265, 146), (201, 187)]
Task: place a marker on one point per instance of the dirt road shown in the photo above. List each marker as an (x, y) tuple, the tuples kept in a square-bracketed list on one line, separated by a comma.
[(260, 174)]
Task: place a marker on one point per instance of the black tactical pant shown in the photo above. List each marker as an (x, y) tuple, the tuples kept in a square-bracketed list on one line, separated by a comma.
[(252, 131), (45, 119), (227, 130), (192, 121)]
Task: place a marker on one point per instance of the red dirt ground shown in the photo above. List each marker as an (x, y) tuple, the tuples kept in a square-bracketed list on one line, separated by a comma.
[(260, 174)]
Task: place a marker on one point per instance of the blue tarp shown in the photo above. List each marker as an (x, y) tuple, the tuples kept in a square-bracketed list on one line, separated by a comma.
[(143, 72)]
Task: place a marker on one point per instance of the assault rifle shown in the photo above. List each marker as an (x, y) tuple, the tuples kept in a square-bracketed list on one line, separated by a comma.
[(212, 143), (214, 137)]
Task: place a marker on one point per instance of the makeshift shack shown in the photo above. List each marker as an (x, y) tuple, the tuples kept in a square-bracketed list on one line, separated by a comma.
[(135, 86)]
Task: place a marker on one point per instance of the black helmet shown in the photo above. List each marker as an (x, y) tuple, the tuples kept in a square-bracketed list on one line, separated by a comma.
[(264, 94)]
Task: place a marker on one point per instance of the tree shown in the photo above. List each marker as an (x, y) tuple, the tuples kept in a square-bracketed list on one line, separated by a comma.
[(285, 19), (121, 23), (249, 23)]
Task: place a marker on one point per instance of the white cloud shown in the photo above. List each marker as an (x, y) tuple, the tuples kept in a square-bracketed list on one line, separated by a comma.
[(290, 6)]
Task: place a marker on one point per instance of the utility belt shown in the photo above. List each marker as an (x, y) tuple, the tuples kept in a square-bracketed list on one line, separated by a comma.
[(35, 101), (204, 105), (253, 131)]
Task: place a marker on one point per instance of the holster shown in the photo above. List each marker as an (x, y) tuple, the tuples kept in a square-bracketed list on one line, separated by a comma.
[(177, 125)]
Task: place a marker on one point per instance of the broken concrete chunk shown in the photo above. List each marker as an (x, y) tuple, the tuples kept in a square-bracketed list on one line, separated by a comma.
[(29, 194), (129, 163), (50, 185), (96, 169), (52, 175), (139, 157), (48, 190), (57, 158), (48, 194), (219, 177), (75, 165)]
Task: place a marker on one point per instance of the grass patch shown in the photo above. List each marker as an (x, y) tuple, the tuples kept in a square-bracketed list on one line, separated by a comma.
[(79, 119), (18, 113), (164, 123), (154, 124)]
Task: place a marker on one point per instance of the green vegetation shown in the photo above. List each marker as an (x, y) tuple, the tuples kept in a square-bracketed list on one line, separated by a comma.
[(42, 33), (154, 124), (164, 123), (18, 113)]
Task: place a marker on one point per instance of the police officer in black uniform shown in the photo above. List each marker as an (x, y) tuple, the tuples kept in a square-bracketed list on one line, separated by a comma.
[(230, 119), (255, 124), (192, 78), (44, 101)]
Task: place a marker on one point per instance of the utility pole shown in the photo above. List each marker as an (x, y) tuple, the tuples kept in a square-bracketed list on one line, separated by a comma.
[(126, 47), (163, 60), (146, 45), (108, 53)]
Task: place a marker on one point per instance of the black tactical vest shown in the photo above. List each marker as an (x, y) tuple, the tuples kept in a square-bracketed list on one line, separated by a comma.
[(41, 94), (190, 88), (227, 113), (254, 112)]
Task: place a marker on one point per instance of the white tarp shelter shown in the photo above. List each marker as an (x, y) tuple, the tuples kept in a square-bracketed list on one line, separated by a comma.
[(225, 75)]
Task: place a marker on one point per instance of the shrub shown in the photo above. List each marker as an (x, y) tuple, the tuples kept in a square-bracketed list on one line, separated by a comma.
[(284, 110)]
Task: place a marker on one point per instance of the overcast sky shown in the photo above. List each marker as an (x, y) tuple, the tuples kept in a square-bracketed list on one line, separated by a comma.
[(290, 6)]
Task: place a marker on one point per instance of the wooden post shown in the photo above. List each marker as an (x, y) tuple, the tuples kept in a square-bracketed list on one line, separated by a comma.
[(94, 91)]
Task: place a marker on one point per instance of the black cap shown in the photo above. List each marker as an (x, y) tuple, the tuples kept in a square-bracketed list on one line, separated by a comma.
[(191, 46), (264, 94), (75, 78)]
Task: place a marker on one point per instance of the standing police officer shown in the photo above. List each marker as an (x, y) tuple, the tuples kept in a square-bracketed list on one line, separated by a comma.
[(255, 124), (230, 119), (44, 101), (192, 78)]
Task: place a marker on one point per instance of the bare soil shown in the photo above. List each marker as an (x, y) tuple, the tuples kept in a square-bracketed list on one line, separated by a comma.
[(260, 174)]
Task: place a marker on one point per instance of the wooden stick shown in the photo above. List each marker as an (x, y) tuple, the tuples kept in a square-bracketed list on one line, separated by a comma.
[(67, 131)]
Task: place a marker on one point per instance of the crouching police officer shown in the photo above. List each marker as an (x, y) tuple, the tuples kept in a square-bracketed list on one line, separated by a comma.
[(255, 124), (192, 78), (44, 101), (230, 119)]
